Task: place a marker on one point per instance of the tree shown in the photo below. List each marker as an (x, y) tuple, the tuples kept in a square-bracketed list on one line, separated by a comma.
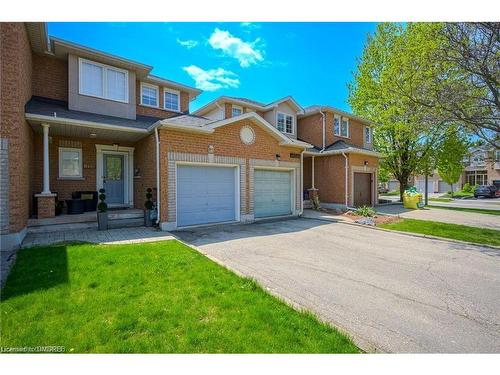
[(451, 153), (464, 79), (395, 61)]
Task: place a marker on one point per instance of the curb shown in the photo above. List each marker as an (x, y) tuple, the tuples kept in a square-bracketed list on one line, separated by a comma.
[(417, 235)]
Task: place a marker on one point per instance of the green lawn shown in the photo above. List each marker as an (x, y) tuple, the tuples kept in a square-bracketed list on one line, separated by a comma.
[(440, 200), (453, 231), (161, 297), (466, 209), (458, 194)]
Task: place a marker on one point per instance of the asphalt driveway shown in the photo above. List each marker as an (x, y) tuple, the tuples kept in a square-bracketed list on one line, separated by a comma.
[(390, 292)]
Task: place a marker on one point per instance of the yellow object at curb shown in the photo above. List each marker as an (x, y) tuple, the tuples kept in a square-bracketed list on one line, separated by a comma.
[(412, 201)]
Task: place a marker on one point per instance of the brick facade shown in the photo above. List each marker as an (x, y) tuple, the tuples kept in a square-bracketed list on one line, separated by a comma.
[(50, 77), (159, 112), (46, 206), (145, 163), (16, 88), (226, 143)]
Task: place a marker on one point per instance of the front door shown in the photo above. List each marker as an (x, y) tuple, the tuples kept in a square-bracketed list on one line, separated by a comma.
[(362, 189), (113, 178)]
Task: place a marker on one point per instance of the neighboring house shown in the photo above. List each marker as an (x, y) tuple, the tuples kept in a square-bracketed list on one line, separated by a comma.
[(482, 166), (435, 184), (74, 119), (342, 164)]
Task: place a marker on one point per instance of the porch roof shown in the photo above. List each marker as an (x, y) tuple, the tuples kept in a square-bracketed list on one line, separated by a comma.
[(58, 109), (339, 147)]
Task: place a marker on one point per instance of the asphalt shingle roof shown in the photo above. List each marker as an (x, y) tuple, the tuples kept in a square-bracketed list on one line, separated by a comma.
[(338, 145)]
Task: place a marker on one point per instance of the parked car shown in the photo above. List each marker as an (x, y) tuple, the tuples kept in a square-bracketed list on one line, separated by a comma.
[(382, 189), (487, 191)]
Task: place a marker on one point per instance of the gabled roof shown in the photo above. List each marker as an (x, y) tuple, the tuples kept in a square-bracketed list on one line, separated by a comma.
[(313, 109), (199, 124), (339, 147), (249, 103)]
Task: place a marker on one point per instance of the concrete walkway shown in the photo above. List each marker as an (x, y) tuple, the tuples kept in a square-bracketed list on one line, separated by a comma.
[(389, 291), (446, 216)]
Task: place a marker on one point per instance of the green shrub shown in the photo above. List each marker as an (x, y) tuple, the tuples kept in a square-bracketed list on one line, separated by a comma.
[(102, 206), (365, 211), (149, 203)]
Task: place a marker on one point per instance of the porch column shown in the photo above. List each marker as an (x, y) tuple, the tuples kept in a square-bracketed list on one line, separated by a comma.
[(46, 176), (312, 172)]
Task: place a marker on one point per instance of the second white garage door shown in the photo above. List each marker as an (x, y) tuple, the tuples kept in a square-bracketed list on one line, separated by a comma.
[(272, 193), (205, 194)]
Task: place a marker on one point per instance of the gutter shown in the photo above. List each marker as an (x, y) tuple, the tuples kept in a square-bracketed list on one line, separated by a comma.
[(324, 129), (158, 190), (346, 179)]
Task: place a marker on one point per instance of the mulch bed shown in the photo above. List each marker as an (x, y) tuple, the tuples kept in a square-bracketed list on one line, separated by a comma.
[(379, 219)]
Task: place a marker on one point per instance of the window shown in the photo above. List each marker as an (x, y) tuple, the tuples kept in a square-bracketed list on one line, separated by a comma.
[(285, 123), (476, 177), (497, 156), (236, 111), (368, 135), (70, 162), (336, 124), (344, 127), (149, 95), (103, 81), (171, 100)]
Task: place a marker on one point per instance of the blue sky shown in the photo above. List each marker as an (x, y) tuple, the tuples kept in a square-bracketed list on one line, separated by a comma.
[(313, 62)]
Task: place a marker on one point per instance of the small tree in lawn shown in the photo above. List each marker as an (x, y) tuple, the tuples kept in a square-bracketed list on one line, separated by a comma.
[(450, 156)]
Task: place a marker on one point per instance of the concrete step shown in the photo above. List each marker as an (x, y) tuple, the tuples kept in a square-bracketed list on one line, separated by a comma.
[(125, 214), (62, 227), (126, 223)]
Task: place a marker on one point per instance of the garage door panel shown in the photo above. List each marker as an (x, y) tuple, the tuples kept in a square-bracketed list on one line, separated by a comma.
[(272, 193), (205, 195)]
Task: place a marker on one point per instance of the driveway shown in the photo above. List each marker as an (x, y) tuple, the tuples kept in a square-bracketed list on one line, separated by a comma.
[(390, 292), (446, 216)]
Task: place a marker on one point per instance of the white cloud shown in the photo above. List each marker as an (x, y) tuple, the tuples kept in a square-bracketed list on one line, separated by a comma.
[(249, 26), (188, 43), (245, 52), (213, 79)]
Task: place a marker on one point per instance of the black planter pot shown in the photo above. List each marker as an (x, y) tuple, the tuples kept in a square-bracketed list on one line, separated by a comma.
[(102, 220), (147, 218)]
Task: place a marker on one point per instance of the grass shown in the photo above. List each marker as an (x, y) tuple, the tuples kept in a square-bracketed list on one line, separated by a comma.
[(457, 194), (440, 200), (467, 209), (445, 230), (161, 297)]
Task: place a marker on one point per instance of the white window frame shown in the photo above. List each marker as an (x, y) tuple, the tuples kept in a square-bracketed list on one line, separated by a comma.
[(105, 69), (80, 154), (348, 127), (172, 91), (370, 135), (157, 88), (335, 117), (233, 107), (284, 125)]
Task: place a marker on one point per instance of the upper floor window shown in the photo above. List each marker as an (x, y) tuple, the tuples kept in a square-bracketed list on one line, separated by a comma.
[(368, 135), (103, 81), (341, 126), (285, 123), (70, 162), (236, 111), (172, 100), (149, 95)]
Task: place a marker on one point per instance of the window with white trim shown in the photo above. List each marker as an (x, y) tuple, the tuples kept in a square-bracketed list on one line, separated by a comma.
[(70, 162), (236, 111), (103, 81), (171, 100), (344, 127), (368, 135), (336, 125), (284, 123), (149, 95)]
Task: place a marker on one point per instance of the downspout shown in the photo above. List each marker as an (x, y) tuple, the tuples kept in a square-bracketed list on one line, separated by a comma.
[(346, 179), (158, 195), (324, 129), (301, 183)]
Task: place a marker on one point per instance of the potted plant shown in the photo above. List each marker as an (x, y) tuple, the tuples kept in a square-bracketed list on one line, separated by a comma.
[(148, 222), (102, 211)]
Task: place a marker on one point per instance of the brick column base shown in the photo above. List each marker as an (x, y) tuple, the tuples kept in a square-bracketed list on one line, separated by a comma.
[(46, 205), (314, 198)]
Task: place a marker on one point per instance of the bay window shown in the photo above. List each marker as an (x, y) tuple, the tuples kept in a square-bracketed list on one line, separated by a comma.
[(284, 123)]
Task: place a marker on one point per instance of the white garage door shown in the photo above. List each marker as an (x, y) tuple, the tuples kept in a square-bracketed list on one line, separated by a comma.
[(205, 194), (272, 193), (444, 187), (421, 186)]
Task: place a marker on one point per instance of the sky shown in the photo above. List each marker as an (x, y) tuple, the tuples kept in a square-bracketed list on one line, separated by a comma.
[(313, 62)]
